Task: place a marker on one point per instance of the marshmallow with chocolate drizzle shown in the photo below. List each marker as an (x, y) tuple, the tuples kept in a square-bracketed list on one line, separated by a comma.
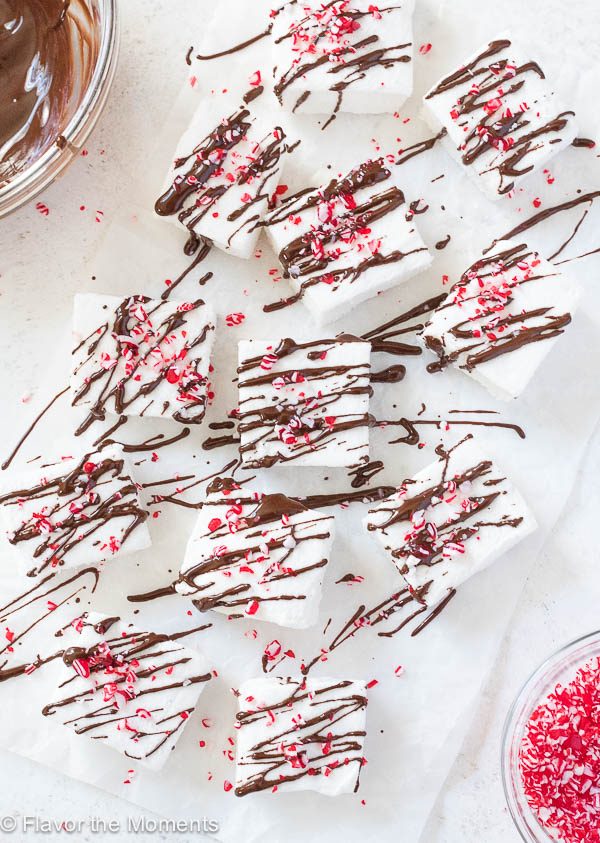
[(305, 734), (221, 183), (255, 555), (141, 357), (74, 513), (502, 119), (335, 56), (502, 317), (129, 689), (450, 521), (304, 402), (346, 241)]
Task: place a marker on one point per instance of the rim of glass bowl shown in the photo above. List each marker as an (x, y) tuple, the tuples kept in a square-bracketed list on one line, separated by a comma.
[(541, 682), (34, 179)]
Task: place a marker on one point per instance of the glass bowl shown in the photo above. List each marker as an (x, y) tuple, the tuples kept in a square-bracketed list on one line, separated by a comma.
[(559, 669), (83, 114)]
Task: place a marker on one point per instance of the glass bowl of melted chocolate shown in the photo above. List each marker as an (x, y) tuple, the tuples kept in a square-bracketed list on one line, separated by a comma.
[(57, 62)]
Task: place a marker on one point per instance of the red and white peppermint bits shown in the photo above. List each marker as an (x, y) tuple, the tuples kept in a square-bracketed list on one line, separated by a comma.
[(559, 759)]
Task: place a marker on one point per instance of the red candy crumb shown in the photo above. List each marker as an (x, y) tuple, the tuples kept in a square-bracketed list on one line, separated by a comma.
[(559, 758), (424, 49)]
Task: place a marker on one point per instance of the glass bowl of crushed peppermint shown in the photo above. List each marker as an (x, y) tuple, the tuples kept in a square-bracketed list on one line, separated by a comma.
[(551, 748)]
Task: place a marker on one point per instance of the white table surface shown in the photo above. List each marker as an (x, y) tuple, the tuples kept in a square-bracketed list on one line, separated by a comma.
[(41, 267)]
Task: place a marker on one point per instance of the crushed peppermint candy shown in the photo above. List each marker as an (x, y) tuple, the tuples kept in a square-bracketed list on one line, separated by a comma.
[(559, 759)]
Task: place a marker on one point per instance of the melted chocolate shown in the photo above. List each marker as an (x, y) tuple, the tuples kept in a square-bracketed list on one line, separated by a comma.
[(48, 52)]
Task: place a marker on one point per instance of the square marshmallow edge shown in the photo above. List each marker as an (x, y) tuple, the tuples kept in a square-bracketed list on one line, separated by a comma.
[(137, 356), (78, 512), (347, 241), (502, 318), (451, 521), (222, 177), (304, 403), (129, 689), (502, 119), (288, 722), (327, 56), (259, 556)]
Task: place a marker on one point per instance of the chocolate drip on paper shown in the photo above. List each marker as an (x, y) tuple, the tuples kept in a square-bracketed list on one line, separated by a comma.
[(418, 148), (413, 437), (384, 338), (229, 51), (152, 444), (31, 428), (372, 495), (547, 213), (584, 143), (364, 618), (199, 247), (363, 474)]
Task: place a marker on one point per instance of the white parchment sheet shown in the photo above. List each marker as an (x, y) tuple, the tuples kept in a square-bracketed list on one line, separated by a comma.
[(416, 718)]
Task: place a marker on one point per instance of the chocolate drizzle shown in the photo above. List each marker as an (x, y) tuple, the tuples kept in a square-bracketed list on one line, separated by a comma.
[(347, 62), (371, 617), (547, 213), (225, 160), (413, 437), (31, 428), (72, 507), (495, 324), (323, 709), (229, 51), (277, 548), (281, 425), (134, 677), (343, 223), (201, 247), (144, 344), (501, 138)]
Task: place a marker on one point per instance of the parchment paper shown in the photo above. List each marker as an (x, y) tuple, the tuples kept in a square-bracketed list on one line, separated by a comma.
[(416, 720)]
